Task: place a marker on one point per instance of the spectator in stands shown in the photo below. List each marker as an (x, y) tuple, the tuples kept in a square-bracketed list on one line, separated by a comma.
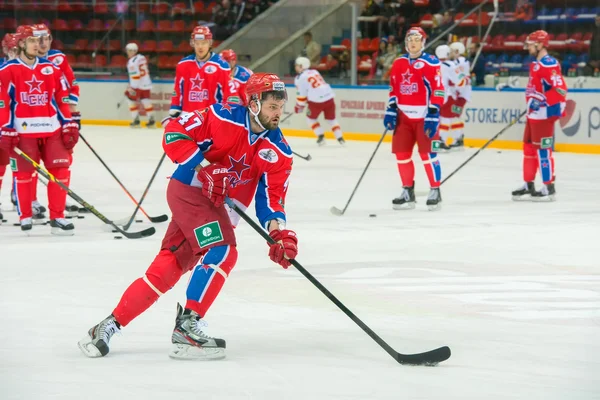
[(451, 4), (407, 15), (479, 68), (595, 46), (242, 14), (224, 19), (331, 65), (371, 8), (524, 12), (312, 50), (437, 21), (388, 59), (378, 59)]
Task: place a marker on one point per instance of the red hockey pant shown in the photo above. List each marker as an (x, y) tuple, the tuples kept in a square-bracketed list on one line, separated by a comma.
[(538, 140)]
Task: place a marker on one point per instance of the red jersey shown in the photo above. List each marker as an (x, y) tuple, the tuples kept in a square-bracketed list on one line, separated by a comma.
[(200, 84), (38, 97), (237, 85), (60, 60), (416, 84), (546, 82), (261, 163)]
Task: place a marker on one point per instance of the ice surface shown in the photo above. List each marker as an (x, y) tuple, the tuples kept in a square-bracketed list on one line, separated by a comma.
[(512, 288)]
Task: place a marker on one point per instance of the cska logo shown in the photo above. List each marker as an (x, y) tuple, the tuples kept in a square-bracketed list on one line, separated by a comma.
[(34, 99)]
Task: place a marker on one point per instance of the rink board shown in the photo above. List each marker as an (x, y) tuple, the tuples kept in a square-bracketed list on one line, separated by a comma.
[(360, 112)]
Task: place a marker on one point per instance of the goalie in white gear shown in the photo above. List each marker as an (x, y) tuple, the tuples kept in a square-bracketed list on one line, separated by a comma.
[(450, 81), (463, 92), (314, 92), (140, 86)]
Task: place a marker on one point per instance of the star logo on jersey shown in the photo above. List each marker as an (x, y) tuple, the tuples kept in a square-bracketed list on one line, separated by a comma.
[(196, 82), (226, 107), (34, 85), (238, 167), (406, 77)]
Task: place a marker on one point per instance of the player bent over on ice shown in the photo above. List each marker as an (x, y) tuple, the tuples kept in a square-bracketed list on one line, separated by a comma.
[(226, 150)]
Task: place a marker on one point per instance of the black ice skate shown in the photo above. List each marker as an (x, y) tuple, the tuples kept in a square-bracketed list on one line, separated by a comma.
[(458, 144), (341, 141), (524, 193), (62, 227), (151, 122), (95, 343), (434, 200), (38, 206), (26, 224), (71, 211), (189, 342), (38, 210), (135, 123), (546, 193), (321, 140), (443, 146), (406, 201), (1, 217)]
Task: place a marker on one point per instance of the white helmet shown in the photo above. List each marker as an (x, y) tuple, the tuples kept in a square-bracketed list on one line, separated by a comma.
[(458, 47), (303, 62), (442, 52), (132, 47)]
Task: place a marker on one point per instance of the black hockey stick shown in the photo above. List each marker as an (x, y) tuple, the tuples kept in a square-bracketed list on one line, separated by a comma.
[(431, 357), (130, 235), (485, 145), (336, 211), (157, 219), (139, 203)]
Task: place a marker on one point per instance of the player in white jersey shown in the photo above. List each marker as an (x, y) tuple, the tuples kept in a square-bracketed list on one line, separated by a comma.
[(140, 86), (312, 90), (450, 81), (463, 92)]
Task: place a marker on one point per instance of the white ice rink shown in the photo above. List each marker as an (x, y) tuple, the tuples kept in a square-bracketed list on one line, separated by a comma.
[(512, 288)]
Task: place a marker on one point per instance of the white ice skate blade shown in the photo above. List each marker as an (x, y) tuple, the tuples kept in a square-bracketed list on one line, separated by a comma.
[(435, 207), (87, 348), (544, 199), (525, 197), (61, 232), (405, 206), (39, 221), (187, 352)]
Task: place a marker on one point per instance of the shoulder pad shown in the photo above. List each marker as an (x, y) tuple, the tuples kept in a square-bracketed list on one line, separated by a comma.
[(242, 73), (276, 138), (548, 61), (54, 52), (216, 58), (233, 113), (191, 57), (430, 59)]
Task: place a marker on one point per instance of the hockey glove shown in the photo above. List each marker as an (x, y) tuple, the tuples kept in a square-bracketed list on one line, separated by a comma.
[(215, 180), (391, 115), (432, 122), (285, 248), (70, 134), (9, 139), (298, 109), (174, 113), (537, 101), (76, 117), (131, 94)]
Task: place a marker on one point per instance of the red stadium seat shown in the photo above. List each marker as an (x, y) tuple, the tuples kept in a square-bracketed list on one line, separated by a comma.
[(99, 61), (101, 8), (146, 26), (71, 59), (164, 25), (181, 8), (75, 25), (164, 62), (58, 45), (161, 9), (148, 46), (174, 60), (83, 61), (80, 45), (95, 25), (60, 25), (374, 45), (165, 46), (178, 26), (129, 25), (114, 45), (184, 46), (9, 24), (198, 7), (118, 61)]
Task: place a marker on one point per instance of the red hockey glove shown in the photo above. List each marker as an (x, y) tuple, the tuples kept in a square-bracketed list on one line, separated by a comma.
[(9, 139), (298, 109), (76, 117), (131, 94), (286, 247), (215, 180), (70, 134)]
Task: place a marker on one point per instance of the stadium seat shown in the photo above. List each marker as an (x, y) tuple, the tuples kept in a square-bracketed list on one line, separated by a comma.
[(146, 26), (118, 61), (164, 25), (83, 61), (129, 25), (198, 7), (165, 46), (148, 46), (60, 25), (426, 21), (101, 7), (58, 45), (71, 59), (75, 25), (161, 9), (174, 60), (9, 24), (178, 26), (181, 8), (95, 25), (184, 47), (363, 44), (374, 45), (99, 61), (163, 62), (114, 45)]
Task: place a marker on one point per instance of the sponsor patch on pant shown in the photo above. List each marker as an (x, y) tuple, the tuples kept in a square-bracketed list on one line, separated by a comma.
[(208, 234), (546, 143), (13, 164), (435, 146)]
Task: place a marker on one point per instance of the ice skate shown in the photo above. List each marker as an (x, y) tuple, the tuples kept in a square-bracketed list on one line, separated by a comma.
[(459, 144), (341, 141), (39, 218), (95, 343), (1, 217), (62, 227), (189, 342), (321, 140), (434, 200), (151, 123), (524, 193), (26, 224), (38, 207), (443, 146), (406, 201), (71, 210), (135, 123), (545, 194)]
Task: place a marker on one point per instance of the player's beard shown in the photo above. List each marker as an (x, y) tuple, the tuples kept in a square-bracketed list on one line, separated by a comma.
[(268, 123)]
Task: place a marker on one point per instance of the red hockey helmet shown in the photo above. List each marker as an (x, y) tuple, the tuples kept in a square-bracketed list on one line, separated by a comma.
[(24, 32), (538, 37), (201, 33), (41, 30), (229, 55), (261, 83), (9, 41), (416, 31)]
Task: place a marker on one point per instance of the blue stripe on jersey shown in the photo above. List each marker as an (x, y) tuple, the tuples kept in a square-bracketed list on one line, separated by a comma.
[(437, 168), (553, 111), (13, 106), (545, 165), (185, 171), (264, 212), (204, 272)]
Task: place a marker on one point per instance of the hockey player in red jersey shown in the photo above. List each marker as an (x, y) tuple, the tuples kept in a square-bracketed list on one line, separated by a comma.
[(201, 79), (238, 78), (40, 125), (546, 100), (226, 150), (413, 114)]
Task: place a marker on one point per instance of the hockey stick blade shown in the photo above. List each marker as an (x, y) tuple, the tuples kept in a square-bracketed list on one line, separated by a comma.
[(160, 218), (307, 157), (429, 358), (336, 211), (137, 235)]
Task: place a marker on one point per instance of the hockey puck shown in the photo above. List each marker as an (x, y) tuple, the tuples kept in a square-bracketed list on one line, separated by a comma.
[(118, 237), (3, 221), (80, 216), (114, 231), (139, 220), (372, 215)]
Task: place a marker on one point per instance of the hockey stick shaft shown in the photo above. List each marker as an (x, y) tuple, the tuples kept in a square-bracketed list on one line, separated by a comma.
[(496, 136), (115, 177), (428, 358), (307, 157), (139, 203), (364, 171), (74, 196)]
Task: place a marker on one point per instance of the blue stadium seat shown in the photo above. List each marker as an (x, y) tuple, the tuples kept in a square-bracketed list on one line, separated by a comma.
[(583, 58), (502, 58), (336, 40)]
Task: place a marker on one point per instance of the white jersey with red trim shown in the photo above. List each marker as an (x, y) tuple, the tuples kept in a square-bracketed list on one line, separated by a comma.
[(463, 72), (139, 77), (449, 78), (311, 86)]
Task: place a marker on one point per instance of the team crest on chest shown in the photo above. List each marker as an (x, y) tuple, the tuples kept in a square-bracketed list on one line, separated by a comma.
[(237, 168), (406, 87), (196, 92)]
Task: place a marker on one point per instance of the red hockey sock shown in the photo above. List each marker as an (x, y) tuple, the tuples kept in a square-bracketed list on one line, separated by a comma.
[(406, 168), (57, 196), (161, 276), (431, 163), (23, 184), (34, 183), (208, 278), (530, 162)]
